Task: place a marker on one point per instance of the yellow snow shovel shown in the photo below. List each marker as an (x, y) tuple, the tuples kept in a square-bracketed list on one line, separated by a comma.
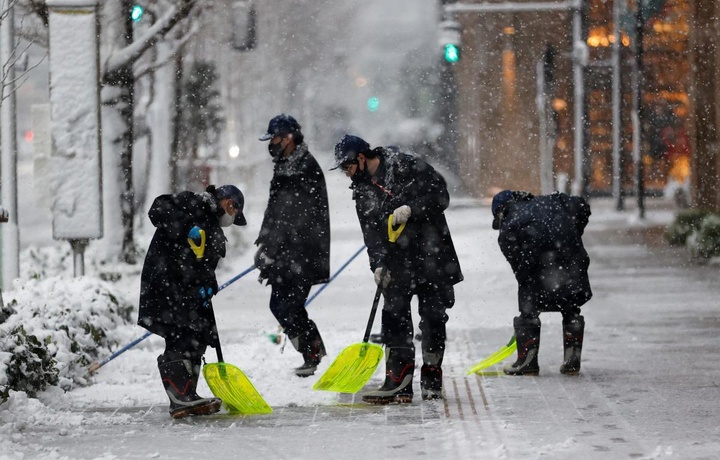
[(496, 357), (354, 366), (228, 383)]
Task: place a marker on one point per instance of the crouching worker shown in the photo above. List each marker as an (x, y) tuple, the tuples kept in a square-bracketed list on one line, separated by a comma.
[(178, 282), (541, 238)]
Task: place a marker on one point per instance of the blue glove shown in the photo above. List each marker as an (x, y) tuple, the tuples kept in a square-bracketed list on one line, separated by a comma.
[(194, 234), (206, 294)]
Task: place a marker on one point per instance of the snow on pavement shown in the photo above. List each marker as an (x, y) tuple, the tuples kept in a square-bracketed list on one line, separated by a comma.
[(650, 385)]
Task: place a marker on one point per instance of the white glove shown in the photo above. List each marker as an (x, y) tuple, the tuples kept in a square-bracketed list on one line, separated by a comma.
[(385, 280), (401, 215)]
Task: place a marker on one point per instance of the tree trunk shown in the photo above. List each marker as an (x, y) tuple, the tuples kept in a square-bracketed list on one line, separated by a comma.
[(176, 153), (160, 165)]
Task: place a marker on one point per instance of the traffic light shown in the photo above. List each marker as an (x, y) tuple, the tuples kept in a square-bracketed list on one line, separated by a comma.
[(136, 13), (450, 40), (373, 104), (452, 53)]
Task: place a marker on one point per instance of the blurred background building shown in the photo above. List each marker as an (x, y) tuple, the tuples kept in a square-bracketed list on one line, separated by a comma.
[(505, 50)]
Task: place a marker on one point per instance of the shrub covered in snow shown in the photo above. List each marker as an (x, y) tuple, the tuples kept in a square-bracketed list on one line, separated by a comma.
[(686, 222), (53, 328), (705, 242), (28, 365)]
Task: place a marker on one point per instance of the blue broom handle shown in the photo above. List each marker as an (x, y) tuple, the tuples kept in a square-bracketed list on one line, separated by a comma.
[(339, 270), (94, 367)]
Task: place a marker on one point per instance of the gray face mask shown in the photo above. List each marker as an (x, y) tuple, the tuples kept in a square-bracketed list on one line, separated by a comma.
[(226, 220)]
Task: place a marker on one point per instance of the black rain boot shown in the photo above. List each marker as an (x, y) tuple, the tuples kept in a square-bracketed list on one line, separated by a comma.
[(431, 376), (180, 384), (573, 332), (399, 370), (527, 335), (312, 348)]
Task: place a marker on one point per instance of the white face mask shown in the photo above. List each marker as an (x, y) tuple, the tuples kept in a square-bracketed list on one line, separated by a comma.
[(226, 220)]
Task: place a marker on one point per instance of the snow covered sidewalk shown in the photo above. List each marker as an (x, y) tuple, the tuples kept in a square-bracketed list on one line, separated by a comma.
[(649, 387)]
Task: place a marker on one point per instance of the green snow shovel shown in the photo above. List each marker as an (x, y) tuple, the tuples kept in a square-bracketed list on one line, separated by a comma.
[(354, 366), (496, 357)]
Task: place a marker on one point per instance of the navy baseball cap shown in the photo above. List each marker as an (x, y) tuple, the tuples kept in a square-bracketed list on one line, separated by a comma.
[(281, 125), (233, 193), (347, 150), (498, 203)]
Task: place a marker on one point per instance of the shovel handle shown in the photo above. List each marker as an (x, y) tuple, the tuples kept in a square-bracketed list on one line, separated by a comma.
[(218, 350), (198, 249), (376, 301), (393, 234)]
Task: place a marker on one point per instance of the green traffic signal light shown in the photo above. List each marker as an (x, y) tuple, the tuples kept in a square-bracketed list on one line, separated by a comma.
[(452, 53), (373, 104), (136, 13)]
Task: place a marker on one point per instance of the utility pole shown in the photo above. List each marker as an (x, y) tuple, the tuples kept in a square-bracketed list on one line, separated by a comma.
[(450, 35), (8, 136), (638, 109), (617, 190), (580, 61)]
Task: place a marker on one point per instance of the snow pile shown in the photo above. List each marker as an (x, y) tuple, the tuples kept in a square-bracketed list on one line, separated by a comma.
[(53, 328)]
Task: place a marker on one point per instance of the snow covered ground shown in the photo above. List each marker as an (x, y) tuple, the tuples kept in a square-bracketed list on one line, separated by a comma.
[(650, 385)]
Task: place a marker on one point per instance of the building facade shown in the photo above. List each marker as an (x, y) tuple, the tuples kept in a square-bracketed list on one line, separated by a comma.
[(502, 127)]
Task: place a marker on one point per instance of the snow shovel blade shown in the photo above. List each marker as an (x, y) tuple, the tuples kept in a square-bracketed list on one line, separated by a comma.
[(352, 369), (496, 357), (228, 383)]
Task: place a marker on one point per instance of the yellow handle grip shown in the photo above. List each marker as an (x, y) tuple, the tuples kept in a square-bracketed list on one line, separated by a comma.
[(393, 234), (198, 250)]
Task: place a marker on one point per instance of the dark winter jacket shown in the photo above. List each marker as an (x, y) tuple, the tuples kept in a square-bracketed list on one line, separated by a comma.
[(541, 237), (295, 231), (172, 274), (424, 253)]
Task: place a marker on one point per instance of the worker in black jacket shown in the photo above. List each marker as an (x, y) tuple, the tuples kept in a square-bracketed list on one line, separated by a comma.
[(422, 263), (178, 282), (541, 237), (294, 243)]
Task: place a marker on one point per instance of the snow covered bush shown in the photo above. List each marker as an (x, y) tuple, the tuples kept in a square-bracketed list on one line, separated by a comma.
[(705, 242), (686, 222), (27, 366), (54, 328)]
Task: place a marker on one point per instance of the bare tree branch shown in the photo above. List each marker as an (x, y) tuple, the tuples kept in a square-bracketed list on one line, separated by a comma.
[(131, 53), (177, 46)]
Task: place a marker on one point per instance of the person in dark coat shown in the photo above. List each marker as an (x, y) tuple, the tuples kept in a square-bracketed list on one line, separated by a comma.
[(294, 241), (541, 238), (178, 282), (422, 262)]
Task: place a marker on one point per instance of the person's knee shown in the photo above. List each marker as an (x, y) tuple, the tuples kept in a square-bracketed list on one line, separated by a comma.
[(525, 320)]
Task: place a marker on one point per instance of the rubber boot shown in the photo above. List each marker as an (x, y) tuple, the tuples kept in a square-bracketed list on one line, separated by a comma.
[(180, 383), (312, 348), (431, 376), (527, 335), (399, 370), (573, 332)]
